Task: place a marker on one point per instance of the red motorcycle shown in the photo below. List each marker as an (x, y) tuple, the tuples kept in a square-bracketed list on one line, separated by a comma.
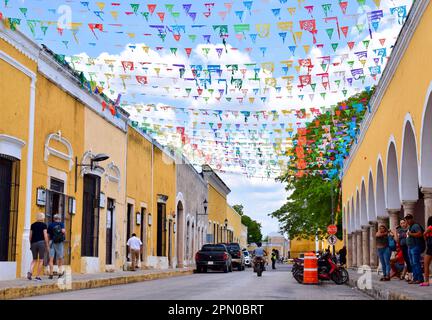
[(328, 269)]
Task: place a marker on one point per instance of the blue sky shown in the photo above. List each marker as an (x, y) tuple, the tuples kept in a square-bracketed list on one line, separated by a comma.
[(162, 104)]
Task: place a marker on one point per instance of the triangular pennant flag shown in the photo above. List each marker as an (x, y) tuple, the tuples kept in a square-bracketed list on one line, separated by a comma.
[(161, 16), (151, 8), (135, 7), (382, 41), (188, 51), (334, 46), (344, 30), (24, 11), (351, 44), (114, 14), (330, 32), (366, 43)]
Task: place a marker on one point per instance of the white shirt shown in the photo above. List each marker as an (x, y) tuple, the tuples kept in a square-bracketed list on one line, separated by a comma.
[(134, 243)]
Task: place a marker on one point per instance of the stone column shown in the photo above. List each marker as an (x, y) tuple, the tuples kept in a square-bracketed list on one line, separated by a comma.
[(350, 249), (354, 249), (365, 245), (409, 207), (427, 195), (372, 239), (359, 249), (393, 218)]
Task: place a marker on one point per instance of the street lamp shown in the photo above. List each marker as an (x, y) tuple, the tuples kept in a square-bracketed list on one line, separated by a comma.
[(97, 158), (205, 205)]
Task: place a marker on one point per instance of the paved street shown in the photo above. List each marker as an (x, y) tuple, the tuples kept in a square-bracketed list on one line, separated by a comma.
[(245, 285)]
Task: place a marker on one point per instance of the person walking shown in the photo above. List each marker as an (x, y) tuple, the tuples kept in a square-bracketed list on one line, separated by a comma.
[(415, 242), (401, 235), (428, 256), (382, 243), (273, 259), (38, 244), (135, 248), (57, 236)]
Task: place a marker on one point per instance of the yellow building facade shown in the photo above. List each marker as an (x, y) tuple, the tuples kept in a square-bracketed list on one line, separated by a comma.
[(62, 153), (388, 172)]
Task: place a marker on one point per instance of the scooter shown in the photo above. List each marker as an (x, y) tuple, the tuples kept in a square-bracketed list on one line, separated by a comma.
[(259, 265)]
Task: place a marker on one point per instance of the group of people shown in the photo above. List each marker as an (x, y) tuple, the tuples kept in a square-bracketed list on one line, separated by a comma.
[(46, 239), (400, 251)]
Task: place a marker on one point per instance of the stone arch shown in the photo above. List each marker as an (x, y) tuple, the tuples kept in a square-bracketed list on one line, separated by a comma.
[(357, 212), (380, 204), (371, 212), (426, 142), (180, 230), (392, 185), (52, 151), (363, 205), (409, 166)]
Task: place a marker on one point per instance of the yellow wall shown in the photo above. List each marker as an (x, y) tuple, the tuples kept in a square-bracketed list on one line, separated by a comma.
[(298, 246), (406, 93), (164, 182), (14, 120), (139, 175), (216, 209), (234, 221), (57, 111), (103, 137)]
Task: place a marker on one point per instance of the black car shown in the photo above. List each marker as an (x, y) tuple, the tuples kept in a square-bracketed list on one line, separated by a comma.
[(213, 256), (237, 255)]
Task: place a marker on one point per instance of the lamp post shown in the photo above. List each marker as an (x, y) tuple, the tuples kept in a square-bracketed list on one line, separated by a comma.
[(205, 205), (97, 158)]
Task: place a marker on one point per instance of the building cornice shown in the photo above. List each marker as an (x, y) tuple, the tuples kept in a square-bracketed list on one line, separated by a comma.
[(405, 36)]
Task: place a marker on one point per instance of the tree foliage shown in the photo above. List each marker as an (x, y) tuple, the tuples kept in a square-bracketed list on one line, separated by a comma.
[(314, 187), (254, 227)]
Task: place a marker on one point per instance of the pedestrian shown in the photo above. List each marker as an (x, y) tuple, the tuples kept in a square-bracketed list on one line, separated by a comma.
[(428, 255), (342, 255), (401, 235), (273, 259), (135, 248), (57, 236), (416, 246), (397, 263), (38, 245), (382, 243)]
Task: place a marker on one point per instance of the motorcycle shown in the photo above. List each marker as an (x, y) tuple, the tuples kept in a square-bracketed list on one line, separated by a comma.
[(328, 269), (259, 265)]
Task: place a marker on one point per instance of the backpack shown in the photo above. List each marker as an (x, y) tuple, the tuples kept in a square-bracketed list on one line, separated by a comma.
[(57, 233), (391, 243)]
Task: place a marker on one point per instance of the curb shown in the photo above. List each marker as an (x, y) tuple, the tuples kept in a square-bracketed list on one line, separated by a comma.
[(379, 293), (21, 292)]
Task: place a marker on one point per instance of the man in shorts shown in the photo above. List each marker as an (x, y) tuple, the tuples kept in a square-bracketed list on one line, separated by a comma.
[(56, 233)]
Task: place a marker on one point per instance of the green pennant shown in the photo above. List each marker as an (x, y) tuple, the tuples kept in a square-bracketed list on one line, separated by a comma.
[(135, 7), (344, 91), (330, 32), (24, 11), (169, 7), (162, 36), (360, 27), (324, 66), (145, 15), (366, 43), (188, 90), (211, 91), (334, 46), (173, 51), (338, 82), (44, 29), (361, 2), (13, 22), (313, 86), (192, 37), (323, 95), (350, 63), (228, 99), (32, 24), (175, 15)]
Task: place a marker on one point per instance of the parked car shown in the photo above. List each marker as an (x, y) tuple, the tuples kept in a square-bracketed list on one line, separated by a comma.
[(247, 257), (237, 255), (213, 256)]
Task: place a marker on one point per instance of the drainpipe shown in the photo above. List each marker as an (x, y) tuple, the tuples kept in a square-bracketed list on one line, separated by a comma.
[(152, 199)]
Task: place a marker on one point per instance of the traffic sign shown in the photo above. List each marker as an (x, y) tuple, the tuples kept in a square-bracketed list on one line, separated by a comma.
[(332, 229), (332, 240)]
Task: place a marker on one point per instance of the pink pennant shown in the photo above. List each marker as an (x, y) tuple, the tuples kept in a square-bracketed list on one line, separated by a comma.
[(351, 44), (343, 5), (161, 16), (344, 30), (309, 9), (382, 41), (151, 8), (222, 14), (188, 51), (177, 37), (239, 36), (207, 14)]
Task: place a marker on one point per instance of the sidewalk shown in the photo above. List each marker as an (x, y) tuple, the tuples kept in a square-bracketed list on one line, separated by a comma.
[(390, 290), (19, 288)]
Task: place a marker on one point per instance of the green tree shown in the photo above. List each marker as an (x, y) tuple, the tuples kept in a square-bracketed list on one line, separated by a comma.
[(254, 227), (316, 159)]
